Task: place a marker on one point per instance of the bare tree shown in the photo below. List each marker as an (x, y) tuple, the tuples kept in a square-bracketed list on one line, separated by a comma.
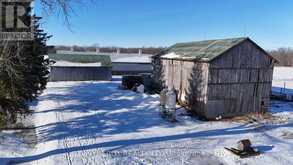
[(62, 7), (284, 56)]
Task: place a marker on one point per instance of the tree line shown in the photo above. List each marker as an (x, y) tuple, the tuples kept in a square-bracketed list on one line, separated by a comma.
[(144, 50), (283, 55)]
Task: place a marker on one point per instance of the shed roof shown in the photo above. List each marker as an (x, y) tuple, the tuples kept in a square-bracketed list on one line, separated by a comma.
[(84, 59), (202, 50)]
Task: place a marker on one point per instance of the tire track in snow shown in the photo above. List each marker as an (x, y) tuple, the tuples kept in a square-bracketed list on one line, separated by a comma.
[(81, 156), (64, 141)]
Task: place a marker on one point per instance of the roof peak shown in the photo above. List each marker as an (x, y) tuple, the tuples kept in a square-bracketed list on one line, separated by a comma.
[(210, 40), (206, 49)]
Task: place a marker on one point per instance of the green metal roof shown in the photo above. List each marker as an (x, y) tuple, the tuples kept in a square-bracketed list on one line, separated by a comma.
[(105, 60), (201, 50)]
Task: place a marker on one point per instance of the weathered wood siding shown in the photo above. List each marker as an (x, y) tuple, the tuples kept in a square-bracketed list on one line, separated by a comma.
[(235, 83), (188, 78), (58, 73), (239, 82)]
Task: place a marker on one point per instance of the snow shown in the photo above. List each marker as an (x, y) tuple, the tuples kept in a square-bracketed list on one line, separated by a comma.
[(96, 123), (122, 57), (171, 55), (131, 58), (143, 59), (283, 77), (283, 73), (66, 63)]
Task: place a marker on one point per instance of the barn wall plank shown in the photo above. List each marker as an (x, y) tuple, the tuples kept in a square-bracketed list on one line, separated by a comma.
[(238, 81), (242, 84)]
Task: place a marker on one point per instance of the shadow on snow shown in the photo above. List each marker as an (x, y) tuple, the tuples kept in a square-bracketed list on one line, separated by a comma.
[(106, 109), (111, 111), (125, 143)]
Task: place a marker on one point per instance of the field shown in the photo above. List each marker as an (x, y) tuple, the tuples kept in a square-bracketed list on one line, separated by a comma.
[(283, 76), (96, 123)]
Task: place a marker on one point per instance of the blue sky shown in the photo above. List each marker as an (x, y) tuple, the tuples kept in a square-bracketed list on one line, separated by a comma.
[(135, 23)]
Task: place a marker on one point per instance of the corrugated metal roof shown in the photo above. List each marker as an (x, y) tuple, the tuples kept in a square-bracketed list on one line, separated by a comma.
[(201, 50)]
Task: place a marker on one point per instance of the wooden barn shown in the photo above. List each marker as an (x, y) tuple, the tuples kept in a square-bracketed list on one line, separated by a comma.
[(217, 78)]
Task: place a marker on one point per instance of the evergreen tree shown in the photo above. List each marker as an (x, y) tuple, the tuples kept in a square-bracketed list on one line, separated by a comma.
[(23, 72)]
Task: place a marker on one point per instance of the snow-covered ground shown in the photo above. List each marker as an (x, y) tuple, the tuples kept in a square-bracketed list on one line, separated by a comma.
[(283, 78), (131, 58), (96, 123)]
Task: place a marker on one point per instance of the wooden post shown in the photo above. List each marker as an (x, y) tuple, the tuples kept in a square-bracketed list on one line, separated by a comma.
[(285, 87)]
